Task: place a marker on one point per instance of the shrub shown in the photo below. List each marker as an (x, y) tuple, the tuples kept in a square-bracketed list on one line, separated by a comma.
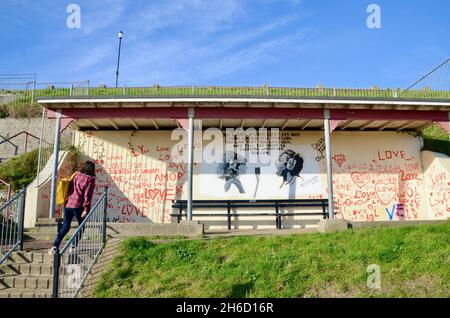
[(3, 111), (21, 170)]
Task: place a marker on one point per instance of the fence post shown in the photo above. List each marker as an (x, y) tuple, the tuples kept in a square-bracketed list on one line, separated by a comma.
[(105, 208), (56, 265), (394, 93), (21, 216), (26, 141), (40, 148), (32, 92)]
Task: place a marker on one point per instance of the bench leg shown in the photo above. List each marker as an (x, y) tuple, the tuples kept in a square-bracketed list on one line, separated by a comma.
[(229, 217), (180, 212), (277, 218)]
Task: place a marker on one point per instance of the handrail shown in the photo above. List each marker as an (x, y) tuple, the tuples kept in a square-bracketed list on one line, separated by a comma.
[(73, 263), (11, 225), (74, 235), (255, 91), (7, 204), (20, 133), (8, 187)]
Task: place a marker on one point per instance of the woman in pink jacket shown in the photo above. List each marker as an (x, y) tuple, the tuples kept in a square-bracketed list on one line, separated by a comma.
[(78, 202)]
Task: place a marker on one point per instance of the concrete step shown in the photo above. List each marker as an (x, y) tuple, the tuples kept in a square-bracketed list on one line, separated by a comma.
[(26, 282), (189, 229), (47, 235), (29, 257), (41, 236), (26, 269), (47, 230), (24, 293), (47, 221)]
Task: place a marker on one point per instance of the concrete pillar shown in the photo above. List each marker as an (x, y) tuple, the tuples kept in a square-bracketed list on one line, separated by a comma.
[(329, 165), (51, 213), (190, 163)]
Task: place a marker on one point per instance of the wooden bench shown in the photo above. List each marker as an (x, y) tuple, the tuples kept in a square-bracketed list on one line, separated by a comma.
[(181, 206)]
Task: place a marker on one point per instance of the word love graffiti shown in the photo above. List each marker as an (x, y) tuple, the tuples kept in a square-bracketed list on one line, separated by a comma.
[(398, 208)]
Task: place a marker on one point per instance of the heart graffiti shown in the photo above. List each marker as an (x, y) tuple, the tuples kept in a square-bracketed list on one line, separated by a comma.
[(386, 192), (339, 159), (361, 179)]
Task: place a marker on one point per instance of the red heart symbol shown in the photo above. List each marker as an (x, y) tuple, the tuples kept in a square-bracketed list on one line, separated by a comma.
[(361, 179), (152, 193), (386, 192), (127, 209), (339, 159)]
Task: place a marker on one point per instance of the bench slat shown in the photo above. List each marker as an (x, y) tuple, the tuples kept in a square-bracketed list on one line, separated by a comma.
[(247, 204)]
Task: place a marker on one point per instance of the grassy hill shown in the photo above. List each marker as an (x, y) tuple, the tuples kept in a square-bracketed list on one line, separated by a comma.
[(414, 262), (24, 102)]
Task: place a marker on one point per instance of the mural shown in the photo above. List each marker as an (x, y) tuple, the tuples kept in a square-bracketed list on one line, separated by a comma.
[(294, 174), (378, 176), (230, 170), (290, 164), (437, 182)]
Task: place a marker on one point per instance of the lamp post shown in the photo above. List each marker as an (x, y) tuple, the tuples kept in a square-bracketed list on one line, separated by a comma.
[(118, 57)]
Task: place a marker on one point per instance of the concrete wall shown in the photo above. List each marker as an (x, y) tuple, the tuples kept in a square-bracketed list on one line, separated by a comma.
[(378, 176), (12, 126), (37, 204), (437, 184)]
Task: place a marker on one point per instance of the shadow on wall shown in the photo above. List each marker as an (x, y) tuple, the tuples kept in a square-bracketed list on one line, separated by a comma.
[(37, 204), (143, 179), (142, 182)]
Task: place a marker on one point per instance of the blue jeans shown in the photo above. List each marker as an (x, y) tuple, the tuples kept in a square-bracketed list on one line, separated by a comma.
[(69, 213)]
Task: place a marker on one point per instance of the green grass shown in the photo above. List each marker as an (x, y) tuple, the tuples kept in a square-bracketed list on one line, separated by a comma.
[(23, 106), (414, 262)]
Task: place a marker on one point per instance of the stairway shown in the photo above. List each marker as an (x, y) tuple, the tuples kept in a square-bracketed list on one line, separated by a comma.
[(27, 275), (46, 229)]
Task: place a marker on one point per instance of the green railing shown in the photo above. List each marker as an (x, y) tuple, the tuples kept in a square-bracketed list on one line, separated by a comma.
[(22, 103), (30, 96), (256, 91)]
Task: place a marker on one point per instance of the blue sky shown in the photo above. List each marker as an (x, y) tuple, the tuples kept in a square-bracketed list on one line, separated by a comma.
[(233, 42)]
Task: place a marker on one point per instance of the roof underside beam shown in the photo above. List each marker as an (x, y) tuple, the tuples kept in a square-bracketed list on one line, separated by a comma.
[(253, 113)]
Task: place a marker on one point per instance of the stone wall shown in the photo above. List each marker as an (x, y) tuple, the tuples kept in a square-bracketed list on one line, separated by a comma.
[(16, 146)]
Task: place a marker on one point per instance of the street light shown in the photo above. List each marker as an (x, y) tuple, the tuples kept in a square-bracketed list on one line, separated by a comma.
[(118, 57)]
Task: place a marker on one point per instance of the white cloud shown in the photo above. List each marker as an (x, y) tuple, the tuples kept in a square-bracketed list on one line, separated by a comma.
[(91, 57), (99, 15)]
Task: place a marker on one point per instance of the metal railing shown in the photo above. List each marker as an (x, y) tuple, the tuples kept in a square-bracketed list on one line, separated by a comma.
[(26, 143), (263, 91), (11, 225), (19, 93), (73, 263), (5, 192)]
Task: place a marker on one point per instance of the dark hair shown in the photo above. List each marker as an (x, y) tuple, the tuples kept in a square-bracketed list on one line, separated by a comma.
[(298, 162), (88, 168)]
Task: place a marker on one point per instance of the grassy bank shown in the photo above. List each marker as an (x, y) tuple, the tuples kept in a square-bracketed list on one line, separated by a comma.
[(24, 103), (414, 262)]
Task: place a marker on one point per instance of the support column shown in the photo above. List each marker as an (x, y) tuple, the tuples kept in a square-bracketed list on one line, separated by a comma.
[(190, 163), (51, 213), (329, 166)]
